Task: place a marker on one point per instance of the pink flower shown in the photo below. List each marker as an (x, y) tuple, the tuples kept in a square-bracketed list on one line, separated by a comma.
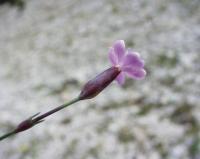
[(129, 62)]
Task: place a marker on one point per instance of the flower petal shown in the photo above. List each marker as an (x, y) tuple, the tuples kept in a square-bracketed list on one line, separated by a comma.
[(135, 73), (132, 59), (119, 49), (120, 78), (112, 56)]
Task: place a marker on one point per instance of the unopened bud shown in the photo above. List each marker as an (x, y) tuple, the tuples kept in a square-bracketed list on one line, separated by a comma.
[(28, 123), (93, 87)]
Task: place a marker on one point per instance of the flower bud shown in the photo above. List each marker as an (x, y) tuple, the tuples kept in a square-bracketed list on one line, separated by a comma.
[(26, 124), (93, 87)]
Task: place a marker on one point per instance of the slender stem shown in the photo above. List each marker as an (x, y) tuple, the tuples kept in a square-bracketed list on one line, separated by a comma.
[(35, 119), (38, 118), (7, 135)]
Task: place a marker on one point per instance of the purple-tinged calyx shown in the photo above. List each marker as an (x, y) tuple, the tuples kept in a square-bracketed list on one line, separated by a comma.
[(93, 87), (28, 123)]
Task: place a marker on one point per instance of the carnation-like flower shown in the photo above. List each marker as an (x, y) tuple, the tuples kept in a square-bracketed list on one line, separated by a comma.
[(125, 62), (128, 61)]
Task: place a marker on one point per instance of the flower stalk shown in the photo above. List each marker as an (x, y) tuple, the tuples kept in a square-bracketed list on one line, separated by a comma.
[(124, 62), (36, 119), (7, 135), (91, 89)]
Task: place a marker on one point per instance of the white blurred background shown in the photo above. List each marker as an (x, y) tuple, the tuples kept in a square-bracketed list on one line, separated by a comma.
[(49, 49)]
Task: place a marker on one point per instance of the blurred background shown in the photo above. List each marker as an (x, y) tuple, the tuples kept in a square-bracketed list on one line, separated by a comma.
[(49, 49)]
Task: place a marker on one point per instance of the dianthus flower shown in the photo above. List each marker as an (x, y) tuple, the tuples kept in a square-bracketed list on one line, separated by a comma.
[(128, 62), (125, 62)]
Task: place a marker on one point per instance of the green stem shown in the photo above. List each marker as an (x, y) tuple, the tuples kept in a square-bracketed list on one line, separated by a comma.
[(35, 119), (39, 118), (7, 135)]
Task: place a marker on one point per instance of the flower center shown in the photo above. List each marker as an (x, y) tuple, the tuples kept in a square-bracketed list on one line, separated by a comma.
[(118, 67)]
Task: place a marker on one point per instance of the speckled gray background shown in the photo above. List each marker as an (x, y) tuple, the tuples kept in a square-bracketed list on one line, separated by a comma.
[(49, 49)]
